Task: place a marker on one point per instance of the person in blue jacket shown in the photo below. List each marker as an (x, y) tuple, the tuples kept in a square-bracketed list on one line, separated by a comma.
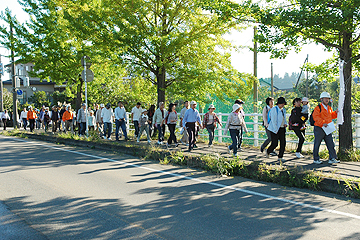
[(277, 127)]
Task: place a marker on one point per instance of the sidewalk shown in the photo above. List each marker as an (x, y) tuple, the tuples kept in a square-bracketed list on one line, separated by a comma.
[(248, 153)]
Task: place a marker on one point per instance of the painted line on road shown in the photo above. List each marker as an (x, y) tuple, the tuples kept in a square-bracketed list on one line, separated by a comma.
[(197, 180)]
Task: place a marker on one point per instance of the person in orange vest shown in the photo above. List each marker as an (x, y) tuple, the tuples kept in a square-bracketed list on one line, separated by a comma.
[(323, 116), (31, 117), (68, 119)]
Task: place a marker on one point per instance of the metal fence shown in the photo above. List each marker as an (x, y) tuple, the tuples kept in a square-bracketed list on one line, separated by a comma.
[(256, 131)]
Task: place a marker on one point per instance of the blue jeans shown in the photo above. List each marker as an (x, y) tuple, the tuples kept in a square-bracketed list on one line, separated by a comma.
[(161, 132), (319, 136), (235, 135), (120, 124), (107, 129), (24, 123), (82, 129)]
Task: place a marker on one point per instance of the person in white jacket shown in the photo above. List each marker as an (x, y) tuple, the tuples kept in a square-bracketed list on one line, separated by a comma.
[(234, 124), (23, 117), (277, 127)]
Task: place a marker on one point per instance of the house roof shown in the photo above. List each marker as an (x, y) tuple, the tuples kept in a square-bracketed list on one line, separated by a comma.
[(32, 82)]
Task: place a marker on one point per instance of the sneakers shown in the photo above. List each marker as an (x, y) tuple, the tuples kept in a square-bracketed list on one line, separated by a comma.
[(299, 155), (104, 137), (261, 149), (109, 138), (235, 155), (160, 143), (273, 154), (149, 141), (229, 149), (333, 160), (176, 144), (137, 140), (266, 154), (317, 162)]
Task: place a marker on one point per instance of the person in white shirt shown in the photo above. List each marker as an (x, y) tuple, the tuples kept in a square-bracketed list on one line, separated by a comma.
[(5, 117), (23, 117), (135, 115), (107, 116), (91, 121), (120, 121)]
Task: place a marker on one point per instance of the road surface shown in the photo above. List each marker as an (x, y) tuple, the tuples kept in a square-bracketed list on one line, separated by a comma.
[(62, 192)]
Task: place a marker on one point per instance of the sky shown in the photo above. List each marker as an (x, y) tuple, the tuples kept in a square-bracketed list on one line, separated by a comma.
[(241, 60)]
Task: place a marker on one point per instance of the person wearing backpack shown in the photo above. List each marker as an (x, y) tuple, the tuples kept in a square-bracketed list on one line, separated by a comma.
[(170, 120), (323, 116), (277, 127), (296, 123), (266, 110)]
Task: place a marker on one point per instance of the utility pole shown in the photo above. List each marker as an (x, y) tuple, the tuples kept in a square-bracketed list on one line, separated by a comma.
[(272, 80), (14, 115), (307, 78), (1, 91), (255, 73)]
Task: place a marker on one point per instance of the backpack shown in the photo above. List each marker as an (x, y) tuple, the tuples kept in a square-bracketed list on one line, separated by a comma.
[(311, 119), (268, 114)]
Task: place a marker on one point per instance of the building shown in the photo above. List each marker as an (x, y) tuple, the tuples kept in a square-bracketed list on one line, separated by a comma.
[(35, 84)]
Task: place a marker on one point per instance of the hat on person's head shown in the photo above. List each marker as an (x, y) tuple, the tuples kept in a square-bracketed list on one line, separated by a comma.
[(30, 107), (236, 107), (239, 101), (84, 104), (91, 111), (305, 99), (161, 103), (211, 106), (192, 103), (108, 105), (144, 110), (281, 100), (102, 105), (325, 95)]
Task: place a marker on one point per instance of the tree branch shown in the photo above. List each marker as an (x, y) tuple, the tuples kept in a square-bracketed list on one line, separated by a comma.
[(324, 42)]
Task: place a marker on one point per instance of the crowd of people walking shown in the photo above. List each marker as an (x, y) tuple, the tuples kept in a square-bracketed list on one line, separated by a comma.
[(101, 118)]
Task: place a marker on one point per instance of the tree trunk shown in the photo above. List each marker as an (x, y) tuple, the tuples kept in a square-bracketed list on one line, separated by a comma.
[(79, 95), (345, 130), (161, 85)]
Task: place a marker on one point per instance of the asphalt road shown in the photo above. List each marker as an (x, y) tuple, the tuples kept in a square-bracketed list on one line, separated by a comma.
[(61, 192)]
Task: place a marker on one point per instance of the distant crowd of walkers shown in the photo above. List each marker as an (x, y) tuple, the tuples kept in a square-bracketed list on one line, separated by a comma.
[(153, 120)]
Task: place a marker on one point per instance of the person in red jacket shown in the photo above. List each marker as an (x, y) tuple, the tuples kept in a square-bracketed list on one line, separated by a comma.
[(323, 116)]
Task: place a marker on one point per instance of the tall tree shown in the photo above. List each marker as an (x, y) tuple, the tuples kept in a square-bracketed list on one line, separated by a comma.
[(168, 42), (334, 24), (47, 42)]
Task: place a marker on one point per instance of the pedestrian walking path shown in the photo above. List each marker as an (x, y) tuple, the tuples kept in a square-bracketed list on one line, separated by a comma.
[(248, 153)]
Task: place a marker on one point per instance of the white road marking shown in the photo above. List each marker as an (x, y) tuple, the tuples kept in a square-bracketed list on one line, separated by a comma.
[(198, 180)]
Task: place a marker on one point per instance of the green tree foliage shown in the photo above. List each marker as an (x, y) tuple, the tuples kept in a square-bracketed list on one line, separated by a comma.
[(39, 99), (334, 24), (7, 99), (173, 44)]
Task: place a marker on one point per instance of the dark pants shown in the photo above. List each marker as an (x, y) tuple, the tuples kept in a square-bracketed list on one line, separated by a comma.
[(137, 128), (235, 135), (46, 125), (120, 124), (274, 142), (161, 130), (172, 137), (211, 130), (301, 136), (82, 128), (4, 122), (24, 123), (107, 129), (319, 136), (54, 126), (32, 124), (268, 140), (91, 128), (191, 129), (240, 138)]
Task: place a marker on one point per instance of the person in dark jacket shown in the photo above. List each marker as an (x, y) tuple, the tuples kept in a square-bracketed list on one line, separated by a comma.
[(296, 121), (54, 118), (46, 119)]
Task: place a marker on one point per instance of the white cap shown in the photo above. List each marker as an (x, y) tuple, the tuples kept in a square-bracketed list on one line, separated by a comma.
[(325, 95), (102, 105), (305, 99), (192, 102), (211, 106), (236, 107), (144, 110)]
